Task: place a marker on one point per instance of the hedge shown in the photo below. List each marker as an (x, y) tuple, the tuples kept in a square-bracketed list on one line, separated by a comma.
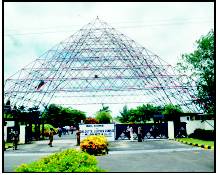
[(203, 134), (69, 160)]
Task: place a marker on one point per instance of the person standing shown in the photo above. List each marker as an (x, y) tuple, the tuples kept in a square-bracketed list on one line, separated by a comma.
[(15, 138), (139, 134), (59, 131), (78, 137), (71, 129), (51, 133), (127, 133), (131, 133)]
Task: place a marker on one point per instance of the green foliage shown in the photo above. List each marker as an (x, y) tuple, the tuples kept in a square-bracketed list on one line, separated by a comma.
[(46, 129), (172, 111), (197, 141), (103, 117), (60, 116), (22, 113), (7, 115), (124, 115), (143, 113), (94, 145), (199, 65), (140, 114), (105, 108), (69, 160)]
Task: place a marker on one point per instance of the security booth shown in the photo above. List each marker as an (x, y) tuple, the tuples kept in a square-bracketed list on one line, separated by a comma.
[(21, 121)]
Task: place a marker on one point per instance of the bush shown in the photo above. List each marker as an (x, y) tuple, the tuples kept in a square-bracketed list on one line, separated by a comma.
[(203, 134), (69, 160), (95, 145)]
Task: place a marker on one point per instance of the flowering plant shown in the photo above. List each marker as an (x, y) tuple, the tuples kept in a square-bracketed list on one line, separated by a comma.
[(96, 145)]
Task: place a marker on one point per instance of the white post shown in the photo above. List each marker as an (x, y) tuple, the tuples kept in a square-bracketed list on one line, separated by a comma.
[(170, 130), (22, 134), (5, 133)]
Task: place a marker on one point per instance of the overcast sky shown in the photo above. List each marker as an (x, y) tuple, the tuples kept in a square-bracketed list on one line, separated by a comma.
[(167, 29)]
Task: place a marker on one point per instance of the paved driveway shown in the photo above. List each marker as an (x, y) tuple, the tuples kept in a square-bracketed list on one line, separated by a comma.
[(147, 145), (156, 156), (124, 156)]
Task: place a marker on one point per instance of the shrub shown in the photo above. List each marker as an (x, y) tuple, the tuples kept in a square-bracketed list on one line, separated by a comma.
[(95, 145), (69, 160), (203, 134)]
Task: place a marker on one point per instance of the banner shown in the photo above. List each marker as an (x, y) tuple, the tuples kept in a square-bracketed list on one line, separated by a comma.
[(107, 130)]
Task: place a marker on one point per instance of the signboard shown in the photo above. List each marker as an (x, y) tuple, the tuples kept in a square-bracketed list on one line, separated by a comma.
[(107, 130)]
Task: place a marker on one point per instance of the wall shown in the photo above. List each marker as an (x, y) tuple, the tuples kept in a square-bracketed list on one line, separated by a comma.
[(9, 124), (209, 124), (195, 124), (170, 130), (22, 134)]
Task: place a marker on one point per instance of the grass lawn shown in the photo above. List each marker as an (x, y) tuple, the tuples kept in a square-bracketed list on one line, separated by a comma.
[(197, 141)]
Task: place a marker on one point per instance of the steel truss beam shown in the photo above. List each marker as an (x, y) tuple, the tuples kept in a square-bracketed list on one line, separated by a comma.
[(103, 65)]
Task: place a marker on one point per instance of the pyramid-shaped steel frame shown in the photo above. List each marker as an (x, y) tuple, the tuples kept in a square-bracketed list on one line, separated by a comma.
[(99, 65)]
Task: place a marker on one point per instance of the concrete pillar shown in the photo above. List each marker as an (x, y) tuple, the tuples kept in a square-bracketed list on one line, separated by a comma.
[(170, 130), (5, 133), (22, 134)]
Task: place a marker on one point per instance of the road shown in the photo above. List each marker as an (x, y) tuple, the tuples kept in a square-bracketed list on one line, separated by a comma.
[(124, 156)]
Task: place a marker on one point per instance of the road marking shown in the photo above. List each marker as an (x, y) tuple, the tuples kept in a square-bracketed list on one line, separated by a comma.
[(26, 154), (154, 151), (113, 152)]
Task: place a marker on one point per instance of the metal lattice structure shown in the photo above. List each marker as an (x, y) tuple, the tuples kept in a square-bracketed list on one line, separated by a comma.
[(99, 65)]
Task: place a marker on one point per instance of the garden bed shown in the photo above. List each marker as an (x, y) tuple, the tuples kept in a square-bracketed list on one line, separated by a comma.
[(197, 142)]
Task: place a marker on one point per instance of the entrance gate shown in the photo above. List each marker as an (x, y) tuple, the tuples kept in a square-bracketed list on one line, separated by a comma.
[(180, 130), (149, 131)]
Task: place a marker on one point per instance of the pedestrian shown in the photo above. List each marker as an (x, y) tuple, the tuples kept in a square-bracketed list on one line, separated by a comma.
[(131, 133), (71, 129), (14, 138), (64, 130), (139, 134), (78, 137), (67, 129), (51, 133), (59, 131), (127, 133)]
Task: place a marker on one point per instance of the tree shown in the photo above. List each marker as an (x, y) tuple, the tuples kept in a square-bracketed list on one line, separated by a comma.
[(147, 111), (52, 115), (201, 64), (60, 116), (103, 117), (124, 118), (139, 114), (105, 108), (172, 112)]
